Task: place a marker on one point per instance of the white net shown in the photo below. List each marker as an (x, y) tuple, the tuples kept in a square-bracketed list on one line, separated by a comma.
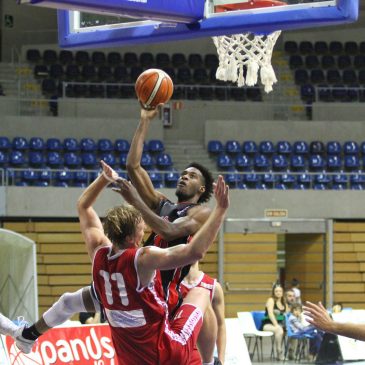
[(250, 51)]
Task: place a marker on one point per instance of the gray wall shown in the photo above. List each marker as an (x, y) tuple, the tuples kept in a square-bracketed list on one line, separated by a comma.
[(61, 202), (47, 127)]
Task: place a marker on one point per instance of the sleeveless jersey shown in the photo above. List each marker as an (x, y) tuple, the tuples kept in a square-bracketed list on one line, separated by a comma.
[(137, 315), (204, 281), (171, 279)]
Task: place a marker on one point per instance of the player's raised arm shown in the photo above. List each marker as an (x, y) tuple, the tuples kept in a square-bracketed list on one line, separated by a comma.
[(90, 224), (181, 255), (136, 172)]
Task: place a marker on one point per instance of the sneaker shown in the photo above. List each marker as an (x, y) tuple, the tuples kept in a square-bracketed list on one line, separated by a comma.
[(23, 344), (217, 361)]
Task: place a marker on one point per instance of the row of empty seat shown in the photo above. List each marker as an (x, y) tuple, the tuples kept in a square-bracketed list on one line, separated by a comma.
[(327, 62), (286, 147), (323, 48), (73, 144), (75, 178), (129, 59), (333, 76)]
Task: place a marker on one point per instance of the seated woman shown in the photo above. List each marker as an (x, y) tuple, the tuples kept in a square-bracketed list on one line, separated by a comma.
[(274, 320)]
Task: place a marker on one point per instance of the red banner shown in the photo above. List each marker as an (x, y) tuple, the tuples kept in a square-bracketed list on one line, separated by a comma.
[(82, 345)]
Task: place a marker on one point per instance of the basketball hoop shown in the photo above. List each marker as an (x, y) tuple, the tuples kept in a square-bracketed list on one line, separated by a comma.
[(247, 50)]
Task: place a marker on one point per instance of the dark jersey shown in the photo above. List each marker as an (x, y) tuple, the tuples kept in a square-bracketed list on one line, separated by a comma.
[(171, 279)]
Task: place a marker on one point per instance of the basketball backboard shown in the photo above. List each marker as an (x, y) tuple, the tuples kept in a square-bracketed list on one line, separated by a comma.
[(126, 22)]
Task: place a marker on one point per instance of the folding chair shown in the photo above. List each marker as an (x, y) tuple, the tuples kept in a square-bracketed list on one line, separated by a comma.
[(250, 331)]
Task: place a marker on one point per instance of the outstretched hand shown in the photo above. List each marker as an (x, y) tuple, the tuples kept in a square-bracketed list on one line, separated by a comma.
[(149, 112), (109, 173), (317, 315), (221, 193), (127, 191)]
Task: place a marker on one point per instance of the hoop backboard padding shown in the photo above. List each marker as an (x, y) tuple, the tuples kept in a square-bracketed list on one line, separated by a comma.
[(251, 4), (263, 21), (182, 11)]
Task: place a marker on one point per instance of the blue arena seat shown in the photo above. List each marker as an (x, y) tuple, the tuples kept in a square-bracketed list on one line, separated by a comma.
[(233, 179), (335, 48), (328, 61), (64, 175), (359, 62), (171, 179), (344, 61), (72, 160), (29, 175), (81, 176), (233, 147), (162, 60), (279, 163), (155, 146), (261, 163), (157, 179), (224, 161), (123, 159), (114, 59), (317, 76), (295, 62), (36, 144), (50, 56), (54, 159), (269, 179), (3, 159), (311, 62), (307, 93), (320, 47), (334, 162), (288, 179), (304, 179), (317, 147), (163, 161), (262, 186), (20, 143), (105, 145), (266, 147), (249, 147), (291, 47), (56, 71), (5, 143), (147, 161), (334, 148), (215, 147), (70, 145), (89, 160), (53, 144), (121, 145), (300, 148), (33, 55), (340, 179), (333, 76), (251, 179), (17, 158), (351, 162), (211, 61), (284, 147), (280, 186), (65, 57), (36, 159), (108, 158), (87, 145), (72, 72), (351, 48), (306, 47), (243, 163), (350, 148), (298, 162), (316, 162), (324, 179), (41, 183)]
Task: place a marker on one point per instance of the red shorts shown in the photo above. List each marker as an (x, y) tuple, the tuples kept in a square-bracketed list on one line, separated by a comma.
[(180, 336)]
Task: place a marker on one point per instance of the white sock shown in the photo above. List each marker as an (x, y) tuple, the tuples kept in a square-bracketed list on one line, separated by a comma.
[(208, 363), (7, 327)]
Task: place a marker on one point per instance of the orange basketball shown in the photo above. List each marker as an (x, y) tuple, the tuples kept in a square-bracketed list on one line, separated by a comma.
[(154, 87)]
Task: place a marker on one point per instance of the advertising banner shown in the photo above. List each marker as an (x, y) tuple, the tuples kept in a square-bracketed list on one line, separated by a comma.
[(82, 345)]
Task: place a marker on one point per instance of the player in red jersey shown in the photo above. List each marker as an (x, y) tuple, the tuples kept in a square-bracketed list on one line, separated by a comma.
[(124, 277), (197, 278)]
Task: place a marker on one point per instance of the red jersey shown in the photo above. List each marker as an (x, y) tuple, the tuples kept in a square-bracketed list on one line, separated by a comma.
[(204, 281), (138, 316)]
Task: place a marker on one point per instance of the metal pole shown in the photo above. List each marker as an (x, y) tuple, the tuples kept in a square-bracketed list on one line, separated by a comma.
[(221, 254), (328, 284)]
